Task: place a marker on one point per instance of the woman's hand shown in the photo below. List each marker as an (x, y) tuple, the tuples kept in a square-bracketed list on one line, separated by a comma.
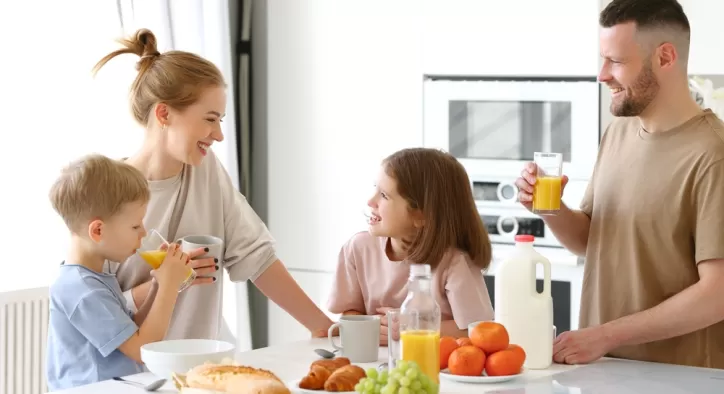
[(205, 267)]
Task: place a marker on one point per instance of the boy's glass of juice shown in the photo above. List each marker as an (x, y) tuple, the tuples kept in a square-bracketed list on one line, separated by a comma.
[(152, 253), (547, 190)]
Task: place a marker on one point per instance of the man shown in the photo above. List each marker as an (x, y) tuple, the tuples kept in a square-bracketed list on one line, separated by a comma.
[(651, 224)]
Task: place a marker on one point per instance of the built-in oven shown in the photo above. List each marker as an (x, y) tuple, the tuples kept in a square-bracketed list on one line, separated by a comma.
[(494, 126), (496, 198)]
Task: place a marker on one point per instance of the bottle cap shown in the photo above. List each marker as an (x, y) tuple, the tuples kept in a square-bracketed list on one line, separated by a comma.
[(420, 270), (524, 238)]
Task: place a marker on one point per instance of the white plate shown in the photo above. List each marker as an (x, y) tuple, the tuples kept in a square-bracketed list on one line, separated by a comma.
[(294, 386), (445, 374)]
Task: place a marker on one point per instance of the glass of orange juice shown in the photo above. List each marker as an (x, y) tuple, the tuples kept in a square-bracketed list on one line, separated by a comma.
[(394, 353), (152, 253), (548, 184)]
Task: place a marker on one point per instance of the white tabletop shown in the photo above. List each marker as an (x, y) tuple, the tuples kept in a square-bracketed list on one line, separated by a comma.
[(291, 362)]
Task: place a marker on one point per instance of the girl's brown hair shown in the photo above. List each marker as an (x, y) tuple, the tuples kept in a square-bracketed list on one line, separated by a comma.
[(435, 183), (176, 78)]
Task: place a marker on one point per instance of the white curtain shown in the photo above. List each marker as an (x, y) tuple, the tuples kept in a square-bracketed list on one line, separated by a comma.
[(54, 112), (201, 27)]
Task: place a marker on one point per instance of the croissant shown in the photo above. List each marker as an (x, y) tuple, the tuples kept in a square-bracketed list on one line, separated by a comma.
[(331, 365), (315, 378), (344, 379)]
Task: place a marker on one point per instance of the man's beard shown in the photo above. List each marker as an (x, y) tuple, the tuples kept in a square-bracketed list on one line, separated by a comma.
[(644, 89)]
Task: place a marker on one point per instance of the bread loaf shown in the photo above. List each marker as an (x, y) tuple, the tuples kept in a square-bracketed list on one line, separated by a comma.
[(231, 379)]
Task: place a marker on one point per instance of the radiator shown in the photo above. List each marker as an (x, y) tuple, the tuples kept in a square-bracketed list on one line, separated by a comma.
[(23, 335)]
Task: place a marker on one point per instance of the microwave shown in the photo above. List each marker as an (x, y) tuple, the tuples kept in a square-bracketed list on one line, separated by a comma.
[(493, 126)]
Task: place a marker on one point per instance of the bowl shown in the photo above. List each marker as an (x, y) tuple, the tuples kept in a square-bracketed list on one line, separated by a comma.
[(180, 355)]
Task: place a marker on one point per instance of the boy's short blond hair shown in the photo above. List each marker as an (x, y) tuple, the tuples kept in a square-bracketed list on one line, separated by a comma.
[(96, 187)]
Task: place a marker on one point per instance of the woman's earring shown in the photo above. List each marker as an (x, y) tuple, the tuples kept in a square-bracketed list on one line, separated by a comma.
[(164, 128)]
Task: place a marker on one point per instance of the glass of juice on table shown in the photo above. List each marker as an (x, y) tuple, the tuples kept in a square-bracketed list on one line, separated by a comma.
[(420, 324), (547, 189), (393, 337), (152, 253)]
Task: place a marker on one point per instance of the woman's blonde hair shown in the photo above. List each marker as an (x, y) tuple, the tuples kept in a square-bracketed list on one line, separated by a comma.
[(176, 78)]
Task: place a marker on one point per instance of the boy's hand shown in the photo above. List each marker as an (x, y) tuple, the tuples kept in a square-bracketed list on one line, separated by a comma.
[(173, 271)]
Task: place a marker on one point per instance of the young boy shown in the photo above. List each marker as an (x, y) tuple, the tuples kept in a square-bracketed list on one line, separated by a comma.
[(92, 334)]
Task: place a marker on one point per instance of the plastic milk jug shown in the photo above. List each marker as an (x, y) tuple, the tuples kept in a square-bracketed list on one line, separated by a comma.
[(525, 313)]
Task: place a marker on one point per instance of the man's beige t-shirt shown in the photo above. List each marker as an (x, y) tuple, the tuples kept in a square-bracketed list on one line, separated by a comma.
[(656, 203)]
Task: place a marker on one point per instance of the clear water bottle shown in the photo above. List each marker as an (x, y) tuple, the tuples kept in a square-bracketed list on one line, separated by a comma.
[(420, 323)]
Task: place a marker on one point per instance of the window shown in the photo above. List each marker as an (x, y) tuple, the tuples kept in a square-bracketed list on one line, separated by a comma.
[(53, 112)]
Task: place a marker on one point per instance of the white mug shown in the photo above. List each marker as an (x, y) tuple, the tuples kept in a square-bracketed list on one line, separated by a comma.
[(215, 245), (360, 337)]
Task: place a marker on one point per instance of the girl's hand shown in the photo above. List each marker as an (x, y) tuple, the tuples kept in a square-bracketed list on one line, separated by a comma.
[(384, 340), (385, 327)]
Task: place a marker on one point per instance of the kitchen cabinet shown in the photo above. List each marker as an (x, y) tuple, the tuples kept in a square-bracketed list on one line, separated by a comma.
[(282, 326), (522, 37)]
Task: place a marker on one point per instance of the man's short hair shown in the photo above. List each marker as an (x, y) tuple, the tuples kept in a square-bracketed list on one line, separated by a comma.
[(666, 17), (647, 14)]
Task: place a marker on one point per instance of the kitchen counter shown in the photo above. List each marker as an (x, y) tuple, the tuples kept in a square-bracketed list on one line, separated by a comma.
[(291, 362)]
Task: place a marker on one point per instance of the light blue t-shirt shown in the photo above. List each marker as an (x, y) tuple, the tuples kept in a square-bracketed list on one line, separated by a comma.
[(89, 320)]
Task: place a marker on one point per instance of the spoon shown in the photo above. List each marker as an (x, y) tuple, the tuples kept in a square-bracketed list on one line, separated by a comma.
[(382, 367), (153, 386), (324, 353)]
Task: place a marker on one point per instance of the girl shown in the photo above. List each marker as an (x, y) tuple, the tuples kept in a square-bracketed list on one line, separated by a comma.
[(422, 212), (180, 99)]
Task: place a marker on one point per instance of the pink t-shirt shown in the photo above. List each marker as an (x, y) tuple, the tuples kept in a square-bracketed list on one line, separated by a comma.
[(367, 279)]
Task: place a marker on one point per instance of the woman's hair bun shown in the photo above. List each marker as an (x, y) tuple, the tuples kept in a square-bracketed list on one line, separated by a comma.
[(144, 45)]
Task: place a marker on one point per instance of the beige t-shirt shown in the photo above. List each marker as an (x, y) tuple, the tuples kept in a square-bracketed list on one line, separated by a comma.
[(366, 279), (656, 203), (213, 207)]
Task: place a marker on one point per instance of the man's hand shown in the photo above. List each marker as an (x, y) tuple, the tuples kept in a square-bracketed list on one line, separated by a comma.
[(582, 346)]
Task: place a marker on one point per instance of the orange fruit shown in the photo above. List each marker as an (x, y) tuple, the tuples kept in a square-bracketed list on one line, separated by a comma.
[(489, 336), (464, 341), (519, 351), (503, 363), (467, 361), (447, 346)]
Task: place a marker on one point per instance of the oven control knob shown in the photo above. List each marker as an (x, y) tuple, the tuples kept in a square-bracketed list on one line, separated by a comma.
[(507, 192), (508, 226)]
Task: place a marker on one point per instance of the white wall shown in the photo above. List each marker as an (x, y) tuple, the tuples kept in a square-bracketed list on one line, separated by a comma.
[(342, 93)]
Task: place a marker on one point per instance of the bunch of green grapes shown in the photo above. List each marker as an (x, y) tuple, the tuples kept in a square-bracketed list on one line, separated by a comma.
[(405, 378)]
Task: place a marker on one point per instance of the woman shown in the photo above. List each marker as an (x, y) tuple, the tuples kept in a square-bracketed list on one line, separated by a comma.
[(181, 98)]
